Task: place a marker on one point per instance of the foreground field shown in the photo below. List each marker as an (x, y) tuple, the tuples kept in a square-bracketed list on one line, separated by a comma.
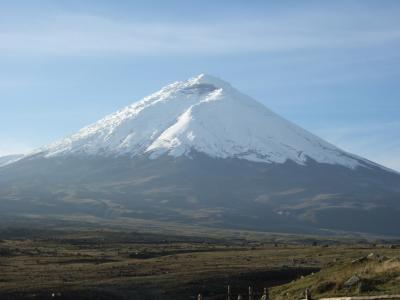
[(88, 263)]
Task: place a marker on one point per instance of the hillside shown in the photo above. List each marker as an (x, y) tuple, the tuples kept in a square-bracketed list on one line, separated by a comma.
[(373, 274)]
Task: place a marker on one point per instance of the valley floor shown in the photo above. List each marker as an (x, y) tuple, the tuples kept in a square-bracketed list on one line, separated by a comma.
[(75, 262)]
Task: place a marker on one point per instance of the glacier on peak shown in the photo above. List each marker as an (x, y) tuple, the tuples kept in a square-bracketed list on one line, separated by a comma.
[(204, 114)]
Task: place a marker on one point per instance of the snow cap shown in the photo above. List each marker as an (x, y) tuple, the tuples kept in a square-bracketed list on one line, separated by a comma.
[(209, 79)]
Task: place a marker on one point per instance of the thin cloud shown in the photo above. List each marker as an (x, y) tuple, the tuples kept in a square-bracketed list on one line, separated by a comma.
[(83, 34)]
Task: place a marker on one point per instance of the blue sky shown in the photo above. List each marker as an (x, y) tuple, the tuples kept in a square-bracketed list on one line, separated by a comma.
[(333, 67)]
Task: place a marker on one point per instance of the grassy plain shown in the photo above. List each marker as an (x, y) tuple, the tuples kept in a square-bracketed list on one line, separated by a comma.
[(61, 259)]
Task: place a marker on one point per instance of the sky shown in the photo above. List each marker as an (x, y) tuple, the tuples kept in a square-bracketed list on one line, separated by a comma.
[(332, 67)]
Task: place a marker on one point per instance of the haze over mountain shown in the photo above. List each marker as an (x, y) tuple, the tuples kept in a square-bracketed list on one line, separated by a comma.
[(201, 152)]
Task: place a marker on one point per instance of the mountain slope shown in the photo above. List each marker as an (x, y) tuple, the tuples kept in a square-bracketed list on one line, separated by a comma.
[(200, 152)]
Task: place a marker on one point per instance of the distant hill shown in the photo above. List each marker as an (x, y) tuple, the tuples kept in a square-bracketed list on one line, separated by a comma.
[(9, 159)]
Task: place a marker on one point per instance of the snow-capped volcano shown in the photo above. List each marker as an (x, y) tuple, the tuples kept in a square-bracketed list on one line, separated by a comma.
[(204, 114), (201, 152)]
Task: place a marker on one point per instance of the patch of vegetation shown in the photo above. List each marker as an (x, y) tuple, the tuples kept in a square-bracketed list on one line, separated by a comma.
[(5, 251)]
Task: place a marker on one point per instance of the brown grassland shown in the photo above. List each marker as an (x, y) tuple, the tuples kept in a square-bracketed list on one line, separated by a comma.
[(64, 261)]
